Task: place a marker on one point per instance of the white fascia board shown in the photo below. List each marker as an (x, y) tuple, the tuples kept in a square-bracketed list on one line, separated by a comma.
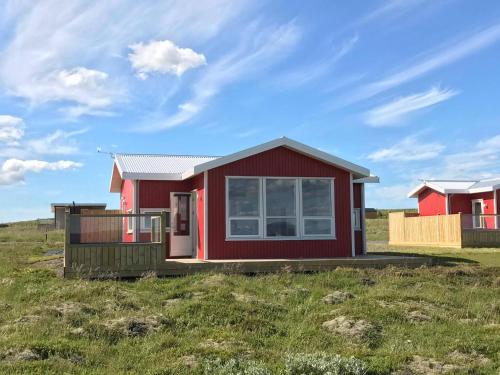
[(116, 181), (484, 189), (368, 180), (286, 142), (414, 192), (152, 176)]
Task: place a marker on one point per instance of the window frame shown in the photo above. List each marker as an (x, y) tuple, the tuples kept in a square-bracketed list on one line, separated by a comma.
[(232, 218), (356, 218), (143, 228), (297, 209), (263, 218), (331, 218)]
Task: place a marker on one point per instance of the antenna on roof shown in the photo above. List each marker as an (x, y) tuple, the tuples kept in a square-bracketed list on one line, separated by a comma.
[(100, 151)]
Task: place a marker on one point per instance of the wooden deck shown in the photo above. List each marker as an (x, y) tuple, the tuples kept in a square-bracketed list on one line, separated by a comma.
[(174, 267)]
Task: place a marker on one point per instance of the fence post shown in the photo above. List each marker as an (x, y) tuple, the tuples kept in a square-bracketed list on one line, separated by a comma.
[(67, 238), (163, 236)]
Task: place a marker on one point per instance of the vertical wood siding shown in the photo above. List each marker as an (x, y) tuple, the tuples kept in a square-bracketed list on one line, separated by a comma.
[(431, 202), (358, 234), (278, 162)]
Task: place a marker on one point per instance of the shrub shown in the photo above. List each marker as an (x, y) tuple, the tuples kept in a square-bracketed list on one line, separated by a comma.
[(323, 364), (234, 366)]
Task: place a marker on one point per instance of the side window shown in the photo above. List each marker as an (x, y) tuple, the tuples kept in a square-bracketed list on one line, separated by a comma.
[(356, 218)]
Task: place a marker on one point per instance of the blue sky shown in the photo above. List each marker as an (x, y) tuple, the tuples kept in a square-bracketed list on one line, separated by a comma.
[(410, 89)]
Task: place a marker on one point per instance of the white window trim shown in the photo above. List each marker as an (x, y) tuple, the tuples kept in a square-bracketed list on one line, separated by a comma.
[(262, 209), (152, 210), (357, 216), (130, 222)]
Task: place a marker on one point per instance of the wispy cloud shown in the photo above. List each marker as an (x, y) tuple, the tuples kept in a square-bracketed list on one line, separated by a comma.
[(76, 60), (448, 54), (11, 130), (57, 143), (253, 55), (395, 112), (312, 72), (407, 150)]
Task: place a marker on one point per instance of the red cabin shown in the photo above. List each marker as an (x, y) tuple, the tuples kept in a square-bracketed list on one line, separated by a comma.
[(280, 199), (474, 197)]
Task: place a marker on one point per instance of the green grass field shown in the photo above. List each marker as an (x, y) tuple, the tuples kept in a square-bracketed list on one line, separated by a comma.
[(443, 319)]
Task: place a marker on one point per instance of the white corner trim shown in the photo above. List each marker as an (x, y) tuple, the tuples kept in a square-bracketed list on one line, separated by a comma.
[(353, 242), (363, 219), (447, 204), (495, 207), (205, 214)]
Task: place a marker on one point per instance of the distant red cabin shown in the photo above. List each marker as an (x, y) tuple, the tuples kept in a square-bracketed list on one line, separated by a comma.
[(281, 199), (473, 197)]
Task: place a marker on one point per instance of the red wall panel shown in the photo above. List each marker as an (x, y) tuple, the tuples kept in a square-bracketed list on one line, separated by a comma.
[(156, 194), (279, 162), (463, 203), (431, 202)]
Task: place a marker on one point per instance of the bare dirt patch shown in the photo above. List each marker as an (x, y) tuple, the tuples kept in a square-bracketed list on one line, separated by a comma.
[(426, 366)]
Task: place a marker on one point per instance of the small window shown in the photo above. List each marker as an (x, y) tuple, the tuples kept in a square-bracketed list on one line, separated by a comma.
[(356, 218), (146, 220), (244, 211), (130, 222)]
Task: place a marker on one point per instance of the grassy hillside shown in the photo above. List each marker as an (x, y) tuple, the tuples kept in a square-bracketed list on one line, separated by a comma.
[(391, 320)]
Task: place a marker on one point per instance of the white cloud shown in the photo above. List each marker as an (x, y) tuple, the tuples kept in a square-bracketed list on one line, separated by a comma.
[(11, 130), (163, 56), (76, 59), (58, 143), (449, 54), (409, 149), (14, 170), (395, 112), (254, 54)]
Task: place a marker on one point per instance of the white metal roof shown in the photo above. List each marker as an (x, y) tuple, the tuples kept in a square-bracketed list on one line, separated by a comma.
[(181, 167), (456, 186)]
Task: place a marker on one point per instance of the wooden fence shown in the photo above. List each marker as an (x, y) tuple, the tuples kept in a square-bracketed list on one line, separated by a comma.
[(438, 231), (442, 230), (100, 229), (108, 255)]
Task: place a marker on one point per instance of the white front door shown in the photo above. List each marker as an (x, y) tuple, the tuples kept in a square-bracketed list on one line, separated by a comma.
[(181, 238), (477, 210)]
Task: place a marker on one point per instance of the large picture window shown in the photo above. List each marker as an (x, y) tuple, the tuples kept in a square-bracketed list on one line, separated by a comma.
[(279, 208), (244, 207)]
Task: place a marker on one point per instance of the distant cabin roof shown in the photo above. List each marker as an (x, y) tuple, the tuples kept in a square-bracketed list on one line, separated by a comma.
[(456, 186), (181, 167), (96, 205)]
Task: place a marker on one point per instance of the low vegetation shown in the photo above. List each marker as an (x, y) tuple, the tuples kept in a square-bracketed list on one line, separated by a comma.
[(443, 319)]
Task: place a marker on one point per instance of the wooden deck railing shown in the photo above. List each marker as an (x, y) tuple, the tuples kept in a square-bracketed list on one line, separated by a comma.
[(99, 244), (442, 230)]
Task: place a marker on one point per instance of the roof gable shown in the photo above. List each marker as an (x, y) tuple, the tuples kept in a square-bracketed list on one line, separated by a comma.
[(456, 186), (314, 153), (181, 167)]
